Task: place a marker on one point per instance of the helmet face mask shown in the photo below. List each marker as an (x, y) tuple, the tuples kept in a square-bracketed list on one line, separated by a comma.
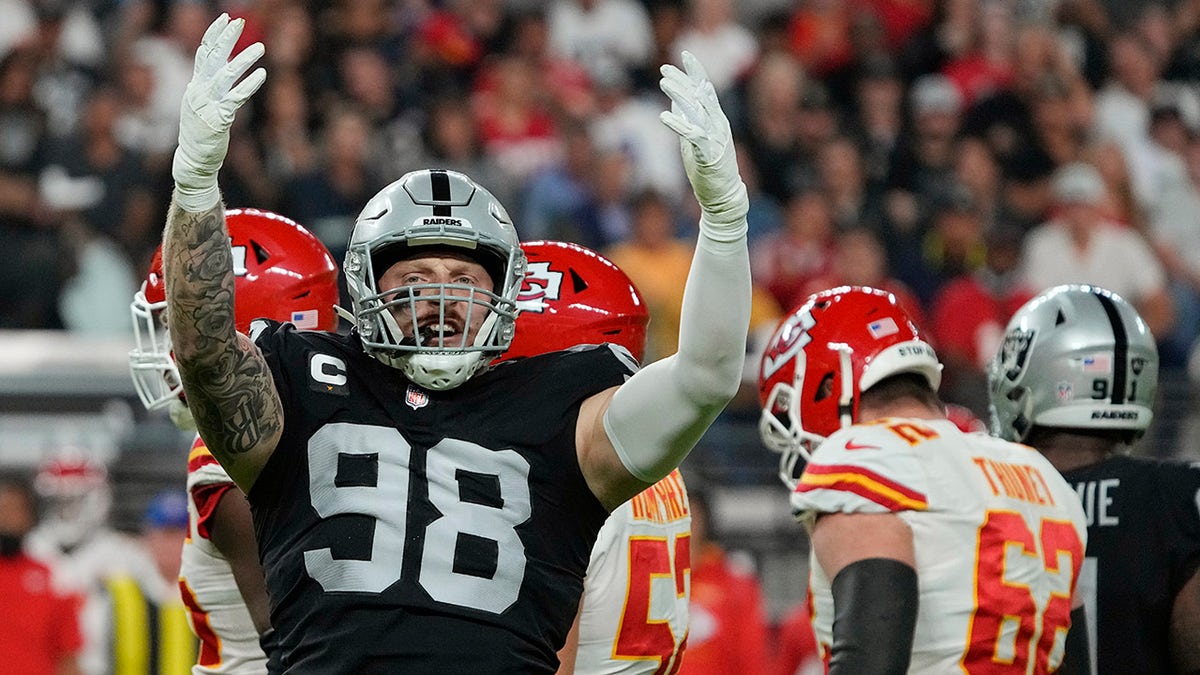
[(155, 377), (430, 212), (1074, 357), (281, 272), (821, 358)]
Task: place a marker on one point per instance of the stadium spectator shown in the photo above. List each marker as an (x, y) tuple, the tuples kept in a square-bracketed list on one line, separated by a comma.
[(75, 539), (851, 199), (728, 48), (859, 259), (658, 262), (771, 108), (796, 651), (39, 628), (1080, 246), (968, 315), (785, 261), (878, 117), (728, 631), (1174, 230), (924, 157), (149, 622), (601, 34), (516, 127), (328, 195), (952, 244), (626, 121)]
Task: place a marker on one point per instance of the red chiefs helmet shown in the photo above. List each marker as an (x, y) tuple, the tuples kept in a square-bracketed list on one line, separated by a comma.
[(824, 354), (572, 296), (77, 496), (281, 272)]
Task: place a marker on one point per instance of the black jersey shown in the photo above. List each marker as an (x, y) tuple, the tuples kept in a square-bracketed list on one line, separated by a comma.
[(1143, 544), (405, 530)]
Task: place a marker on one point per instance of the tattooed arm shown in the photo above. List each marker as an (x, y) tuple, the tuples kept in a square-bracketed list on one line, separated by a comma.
[(225, 378)]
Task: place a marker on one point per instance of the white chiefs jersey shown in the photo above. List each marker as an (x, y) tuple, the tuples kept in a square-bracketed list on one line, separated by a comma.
[(216, 611), (634, 617), (997, 533), (103, 555)]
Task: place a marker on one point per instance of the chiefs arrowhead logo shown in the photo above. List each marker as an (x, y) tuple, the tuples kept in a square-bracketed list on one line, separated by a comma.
[(541, 285), (788, 341)]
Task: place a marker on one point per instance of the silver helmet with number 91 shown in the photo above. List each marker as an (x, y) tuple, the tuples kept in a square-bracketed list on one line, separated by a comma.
[(1074, 357), (426, 329)]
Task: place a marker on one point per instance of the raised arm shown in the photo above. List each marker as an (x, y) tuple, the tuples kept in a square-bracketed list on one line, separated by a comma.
[(225, 379), (631, 436)]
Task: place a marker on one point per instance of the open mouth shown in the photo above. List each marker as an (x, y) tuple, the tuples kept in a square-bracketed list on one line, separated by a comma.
[(439, 335)]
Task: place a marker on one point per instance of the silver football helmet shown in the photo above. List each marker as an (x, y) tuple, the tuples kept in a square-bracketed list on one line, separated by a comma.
[(435, 208), (1078, 357)]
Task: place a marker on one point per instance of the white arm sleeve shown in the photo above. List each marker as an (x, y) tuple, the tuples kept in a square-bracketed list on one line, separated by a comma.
[(655, 418)]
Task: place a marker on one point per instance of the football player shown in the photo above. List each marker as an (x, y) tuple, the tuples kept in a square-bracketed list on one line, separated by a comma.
[(634, 615), (281, 272), (933, 550), (77, 541), (1075, 378), (417, 509)]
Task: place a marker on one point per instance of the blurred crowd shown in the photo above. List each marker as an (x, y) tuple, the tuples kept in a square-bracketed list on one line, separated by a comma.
[(964, 154)]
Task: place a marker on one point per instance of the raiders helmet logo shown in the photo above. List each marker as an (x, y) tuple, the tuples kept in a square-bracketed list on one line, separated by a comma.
[(541, 285), (1014, 353), (787, 342)]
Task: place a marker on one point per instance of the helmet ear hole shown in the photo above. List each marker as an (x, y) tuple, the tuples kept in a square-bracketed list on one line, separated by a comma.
[(824, 389), (260, 254)]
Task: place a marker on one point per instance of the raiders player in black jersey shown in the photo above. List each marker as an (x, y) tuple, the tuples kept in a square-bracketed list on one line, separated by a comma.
[(1076, 378), (417, 508)]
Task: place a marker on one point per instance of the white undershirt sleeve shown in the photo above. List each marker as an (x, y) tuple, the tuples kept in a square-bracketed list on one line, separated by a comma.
[(655, 418)]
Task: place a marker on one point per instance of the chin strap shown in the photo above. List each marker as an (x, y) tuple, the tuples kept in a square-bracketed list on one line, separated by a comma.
[(846, 397)]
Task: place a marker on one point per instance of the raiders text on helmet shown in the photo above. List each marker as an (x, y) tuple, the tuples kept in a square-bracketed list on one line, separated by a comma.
[(433, 208), (1076, 357)]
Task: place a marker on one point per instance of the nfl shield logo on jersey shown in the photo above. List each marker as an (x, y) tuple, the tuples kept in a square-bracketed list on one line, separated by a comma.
[(416, 398)]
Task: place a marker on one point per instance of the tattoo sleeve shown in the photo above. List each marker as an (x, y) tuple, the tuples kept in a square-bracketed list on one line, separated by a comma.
[(225, 379)]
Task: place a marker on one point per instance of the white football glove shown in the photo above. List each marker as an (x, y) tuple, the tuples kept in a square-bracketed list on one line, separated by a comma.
[(209, 104), (706, 144)]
